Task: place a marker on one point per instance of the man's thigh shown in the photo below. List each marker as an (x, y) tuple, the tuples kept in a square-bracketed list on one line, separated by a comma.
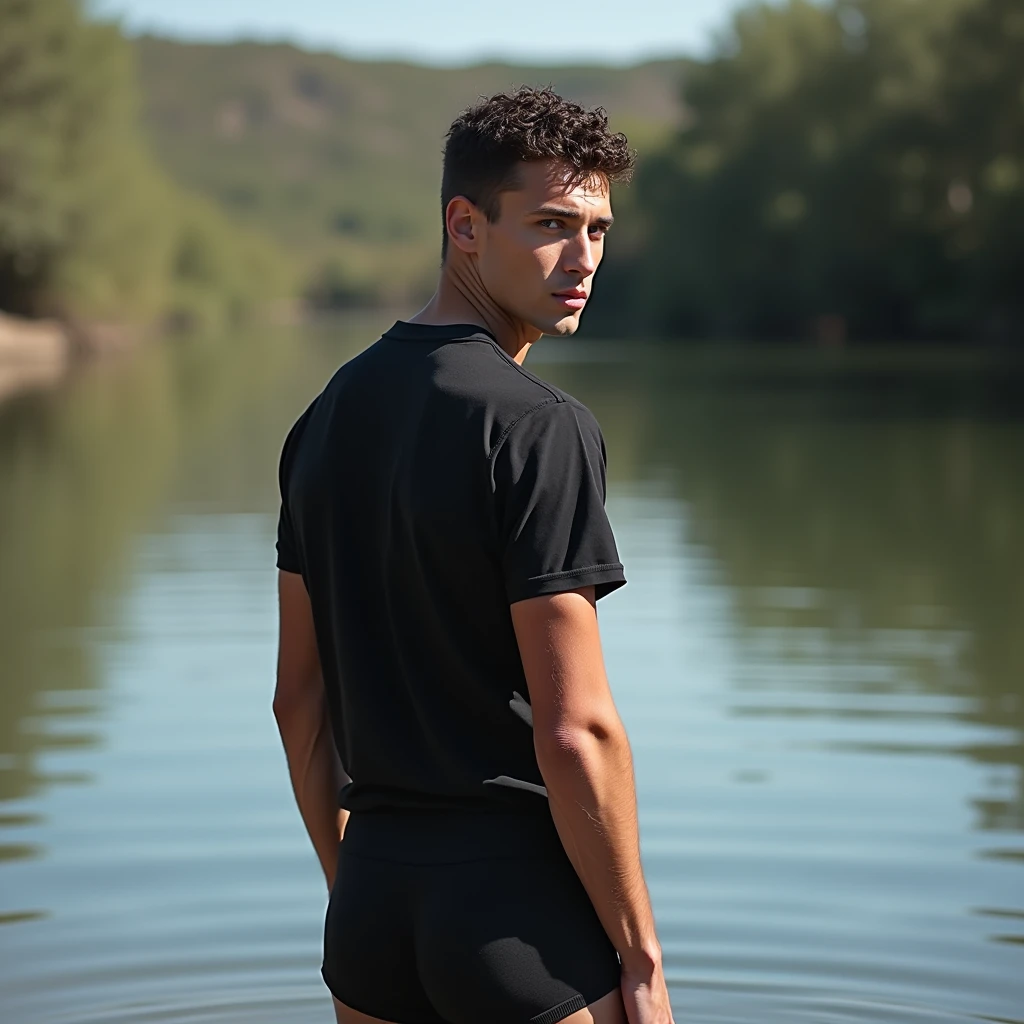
[(346, 1015), (606, 1010)]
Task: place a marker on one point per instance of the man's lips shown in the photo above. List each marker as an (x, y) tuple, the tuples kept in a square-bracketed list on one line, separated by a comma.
[(572, 297)]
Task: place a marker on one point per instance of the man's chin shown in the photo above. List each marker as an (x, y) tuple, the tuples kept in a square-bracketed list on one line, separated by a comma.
[(562, 328)]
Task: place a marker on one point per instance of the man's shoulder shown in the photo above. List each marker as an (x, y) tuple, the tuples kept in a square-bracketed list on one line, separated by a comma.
[(504, 381), (294, 436), (543, 417), (546, 400)]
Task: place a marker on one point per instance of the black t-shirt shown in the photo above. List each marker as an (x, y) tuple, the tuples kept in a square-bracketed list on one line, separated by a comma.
[(431, 484)]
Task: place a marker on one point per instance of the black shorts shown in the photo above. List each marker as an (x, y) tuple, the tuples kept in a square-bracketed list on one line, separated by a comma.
[(460, 917)]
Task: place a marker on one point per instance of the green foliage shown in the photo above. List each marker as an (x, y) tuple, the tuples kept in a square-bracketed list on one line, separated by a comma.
[(220, 270), (89, 227), (341, 160), (850, 167), (63, 104), (855, 166)]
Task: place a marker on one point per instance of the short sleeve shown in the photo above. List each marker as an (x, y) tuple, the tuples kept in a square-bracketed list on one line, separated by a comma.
[(287, 548), (549, 484), (287, 556)]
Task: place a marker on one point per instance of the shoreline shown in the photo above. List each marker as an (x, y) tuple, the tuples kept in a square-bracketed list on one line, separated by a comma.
[(39, 353), (33, 354)]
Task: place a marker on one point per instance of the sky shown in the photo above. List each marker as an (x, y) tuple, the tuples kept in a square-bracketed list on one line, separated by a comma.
[(445, 31)]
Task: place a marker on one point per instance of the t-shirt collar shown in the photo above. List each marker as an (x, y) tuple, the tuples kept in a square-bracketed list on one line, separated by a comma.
[(405, 331)]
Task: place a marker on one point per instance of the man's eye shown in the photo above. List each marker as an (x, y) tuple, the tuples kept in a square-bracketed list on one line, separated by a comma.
[(549, 222)]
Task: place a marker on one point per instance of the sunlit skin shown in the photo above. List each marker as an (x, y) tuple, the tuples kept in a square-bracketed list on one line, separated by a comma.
[(507, 275)]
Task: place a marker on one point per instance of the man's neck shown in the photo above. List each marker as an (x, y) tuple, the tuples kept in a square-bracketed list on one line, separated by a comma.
[(462, 299)]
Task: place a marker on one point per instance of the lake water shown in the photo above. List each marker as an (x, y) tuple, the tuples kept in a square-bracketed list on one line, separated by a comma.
[(819, 658)]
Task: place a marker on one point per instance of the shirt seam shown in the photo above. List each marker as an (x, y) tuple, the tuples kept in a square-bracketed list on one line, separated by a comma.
[(496, 447), (437, 332), (503, 355), (574, 572)]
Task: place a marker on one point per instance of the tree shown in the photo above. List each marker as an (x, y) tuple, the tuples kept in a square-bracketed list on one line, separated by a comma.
[(827, 179), (89, 227)]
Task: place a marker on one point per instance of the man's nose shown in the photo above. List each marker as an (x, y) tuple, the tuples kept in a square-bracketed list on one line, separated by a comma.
[(581, 255)]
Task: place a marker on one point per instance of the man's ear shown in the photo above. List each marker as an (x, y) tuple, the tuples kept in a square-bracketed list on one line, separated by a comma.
[(462, 220)]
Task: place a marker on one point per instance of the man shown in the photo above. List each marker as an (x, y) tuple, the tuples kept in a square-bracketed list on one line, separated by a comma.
[(442, 546)]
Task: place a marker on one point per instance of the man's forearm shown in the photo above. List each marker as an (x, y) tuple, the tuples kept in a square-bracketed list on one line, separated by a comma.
[(591, 793), (316, 775)]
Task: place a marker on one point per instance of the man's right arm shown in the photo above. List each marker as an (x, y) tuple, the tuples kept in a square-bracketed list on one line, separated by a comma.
[(584, 757)]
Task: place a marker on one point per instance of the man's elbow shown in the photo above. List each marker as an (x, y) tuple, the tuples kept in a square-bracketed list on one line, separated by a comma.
[(576, 741), (292, 700)]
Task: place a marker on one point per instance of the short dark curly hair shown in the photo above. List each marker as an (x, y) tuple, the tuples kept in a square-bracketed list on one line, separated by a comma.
[(487, 141)]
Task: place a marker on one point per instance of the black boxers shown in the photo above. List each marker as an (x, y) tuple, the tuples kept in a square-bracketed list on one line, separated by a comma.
[(462, 917)]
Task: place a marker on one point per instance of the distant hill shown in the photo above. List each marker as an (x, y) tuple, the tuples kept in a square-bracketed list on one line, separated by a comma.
[(339, 160)]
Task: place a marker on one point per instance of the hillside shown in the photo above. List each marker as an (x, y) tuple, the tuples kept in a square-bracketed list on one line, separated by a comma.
[(339, 160)]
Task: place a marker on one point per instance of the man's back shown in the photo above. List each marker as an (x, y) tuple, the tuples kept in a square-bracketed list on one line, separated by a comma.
[(431, 484)]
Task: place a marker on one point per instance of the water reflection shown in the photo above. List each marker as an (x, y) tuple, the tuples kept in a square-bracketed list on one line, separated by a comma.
[(867, 516), (819, 656), (84, 469)]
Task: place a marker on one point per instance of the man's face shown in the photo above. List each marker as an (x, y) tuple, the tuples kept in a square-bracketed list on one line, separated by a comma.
[(537, 260)]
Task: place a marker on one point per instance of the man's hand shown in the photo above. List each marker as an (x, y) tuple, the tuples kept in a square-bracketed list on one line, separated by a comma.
[(645, 996)]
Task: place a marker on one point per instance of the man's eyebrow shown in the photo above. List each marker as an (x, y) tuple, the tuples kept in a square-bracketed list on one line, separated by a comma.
[(567, 214)]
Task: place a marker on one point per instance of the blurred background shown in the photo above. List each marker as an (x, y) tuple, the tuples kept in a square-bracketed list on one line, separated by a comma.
[(805, 351)]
